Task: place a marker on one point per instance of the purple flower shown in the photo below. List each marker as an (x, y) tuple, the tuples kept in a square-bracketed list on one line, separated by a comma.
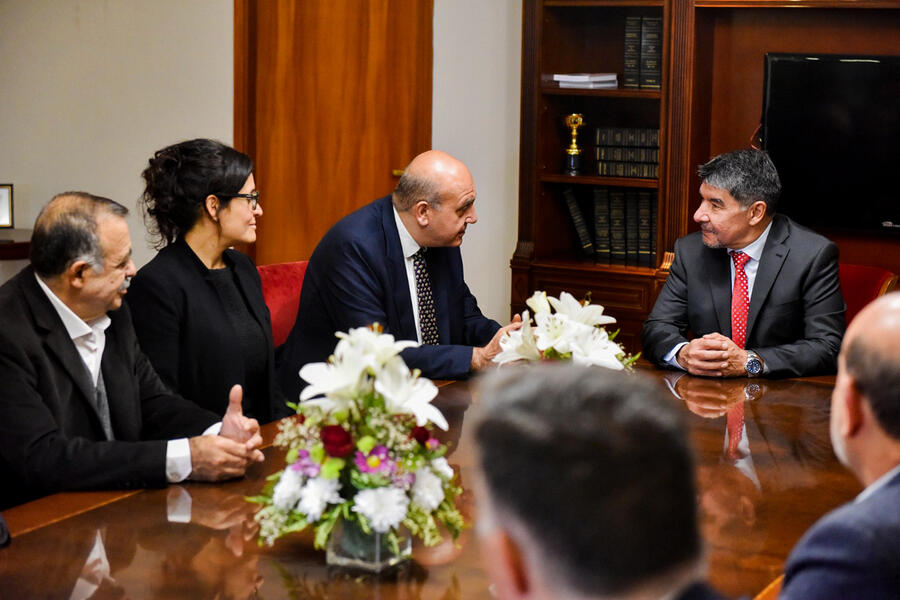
[(306, 465), (376, 461), (403, 480), (432, 443)]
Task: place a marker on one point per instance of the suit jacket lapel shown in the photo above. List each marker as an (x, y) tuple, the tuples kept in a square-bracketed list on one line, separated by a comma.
[(398, 286), (123, 413), (57, 340), (719, 271), (773, 256)]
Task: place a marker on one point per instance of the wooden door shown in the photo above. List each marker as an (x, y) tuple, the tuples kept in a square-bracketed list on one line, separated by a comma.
[(330, 97)]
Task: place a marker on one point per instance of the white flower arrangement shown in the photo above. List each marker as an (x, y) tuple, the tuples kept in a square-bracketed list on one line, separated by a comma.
[(361, 449), (564, 329)]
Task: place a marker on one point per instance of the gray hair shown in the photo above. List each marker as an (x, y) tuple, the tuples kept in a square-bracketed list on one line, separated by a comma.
[(65, 232), (412, 189), (748, 175)]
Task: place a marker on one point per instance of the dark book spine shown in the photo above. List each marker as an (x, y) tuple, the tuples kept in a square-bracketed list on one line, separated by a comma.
[(653, 208), (584, 239), (631, 228), (601, 224), (617, 226), (644, 228), (631, 71), (651, 53)]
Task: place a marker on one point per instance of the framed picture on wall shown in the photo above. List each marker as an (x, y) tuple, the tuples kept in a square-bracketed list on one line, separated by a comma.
[(6, 205)]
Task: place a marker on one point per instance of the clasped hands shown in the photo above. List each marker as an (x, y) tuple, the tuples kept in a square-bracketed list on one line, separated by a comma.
[(713, 355), (227, 455)]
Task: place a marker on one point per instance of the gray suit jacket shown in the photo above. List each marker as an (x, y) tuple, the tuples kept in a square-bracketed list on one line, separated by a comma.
[(51, 439), (796, 318)]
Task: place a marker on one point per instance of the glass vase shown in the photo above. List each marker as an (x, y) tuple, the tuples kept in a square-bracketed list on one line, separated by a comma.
[(350, 546)]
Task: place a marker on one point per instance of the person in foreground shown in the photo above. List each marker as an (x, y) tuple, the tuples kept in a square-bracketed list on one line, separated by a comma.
[(80, 405), (197, 307), (760, 293), (585, 487), (396, 261), (854, 551)]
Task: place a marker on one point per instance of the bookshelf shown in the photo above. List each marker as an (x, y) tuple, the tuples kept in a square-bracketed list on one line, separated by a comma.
[(710, 102)]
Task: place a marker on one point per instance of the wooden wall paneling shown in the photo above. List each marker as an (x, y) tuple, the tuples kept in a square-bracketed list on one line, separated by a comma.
[(330, 96)]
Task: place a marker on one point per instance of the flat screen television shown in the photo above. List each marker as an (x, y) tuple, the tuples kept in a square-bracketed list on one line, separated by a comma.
[(831, 124)]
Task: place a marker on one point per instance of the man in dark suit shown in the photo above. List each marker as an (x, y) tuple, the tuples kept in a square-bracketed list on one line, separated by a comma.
[(758, 294), (854, 551), (80, 405), (397, 262), (585, 487)]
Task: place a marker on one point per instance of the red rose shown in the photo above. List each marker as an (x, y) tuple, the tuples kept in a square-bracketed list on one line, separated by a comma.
[(337, 441), (420, 434)]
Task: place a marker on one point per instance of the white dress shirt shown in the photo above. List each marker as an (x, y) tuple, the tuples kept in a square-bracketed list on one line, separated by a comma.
[(754, 250), (877, 484), (410, 247), (90, 340)]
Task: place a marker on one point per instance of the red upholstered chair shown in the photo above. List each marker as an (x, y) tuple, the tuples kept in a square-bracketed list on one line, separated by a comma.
[(281, 284), (861, 284)]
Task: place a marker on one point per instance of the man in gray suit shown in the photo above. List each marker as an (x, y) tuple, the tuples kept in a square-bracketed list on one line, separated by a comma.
[(80, 405), (752, 293), (854, 551)]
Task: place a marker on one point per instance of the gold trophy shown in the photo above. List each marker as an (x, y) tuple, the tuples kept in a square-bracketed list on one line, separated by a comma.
[(573, 152)]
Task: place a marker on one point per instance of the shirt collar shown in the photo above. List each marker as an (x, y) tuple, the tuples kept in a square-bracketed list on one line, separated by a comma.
[(75, 326), (407, 243), (755, 248), (878, 484)]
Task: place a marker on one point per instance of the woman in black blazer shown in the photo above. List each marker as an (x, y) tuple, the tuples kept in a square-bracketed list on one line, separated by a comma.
[(198, 307)]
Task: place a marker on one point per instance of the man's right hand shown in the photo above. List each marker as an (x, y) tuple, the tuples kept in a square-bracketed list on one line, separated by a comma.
[(215, 458), (482, 357)]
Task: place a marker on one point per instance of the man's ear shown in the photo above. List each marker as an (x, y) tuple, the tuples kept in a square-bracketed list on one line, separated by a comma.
[(211, 204), (506, 565), (853, 405), (421, 210), (75, 273), (756, 212)]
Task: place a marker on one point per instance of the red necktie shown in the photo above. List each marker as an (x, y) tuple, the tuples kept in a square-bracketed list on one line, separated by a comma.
[(740, 300), (735, 426)]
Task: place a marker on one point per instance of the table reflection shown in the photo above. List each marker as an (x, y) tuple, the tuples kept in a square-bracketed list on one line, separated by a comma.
[(765, 473)]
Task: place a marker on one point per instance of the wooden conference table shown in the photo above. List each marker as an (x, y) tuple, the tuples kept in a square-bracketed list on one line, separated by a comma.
[(752, 511)]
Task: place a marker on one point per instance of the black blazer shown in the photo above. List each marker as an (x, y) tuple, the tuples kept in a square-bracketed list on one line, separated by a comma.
[(51, 439), (796, 318), (185, 332), (357, 276)]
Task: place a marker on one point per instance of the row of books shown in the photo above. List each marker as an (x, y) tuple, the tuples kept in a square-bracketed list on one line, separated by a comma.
[(624, 224), (626, 152), (643, 53)]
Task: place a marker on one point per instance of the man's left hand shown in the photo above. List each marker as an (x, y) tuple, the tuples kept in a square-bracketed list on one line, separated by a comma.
[(735, 362), (239, 428)]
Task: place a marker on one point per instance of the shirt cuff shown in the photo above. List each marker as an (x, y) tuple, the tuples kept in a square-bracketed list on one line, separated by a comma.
[(178, 460), (670, 359)]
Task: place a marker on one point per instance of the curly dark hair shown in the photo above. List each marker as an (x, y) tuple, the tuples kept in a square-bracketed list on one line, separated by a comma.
[(180, 177)]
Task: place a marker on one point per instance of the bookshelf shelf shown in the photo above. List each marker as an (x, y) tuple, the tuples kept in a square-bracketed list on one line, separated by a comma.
[(616, 93), (607, 181), (576, 3)]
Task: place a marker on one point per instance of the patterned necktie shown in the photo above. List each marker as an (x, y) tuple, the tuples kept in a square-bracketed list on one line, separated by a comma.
[(740, 300), (427, 320)]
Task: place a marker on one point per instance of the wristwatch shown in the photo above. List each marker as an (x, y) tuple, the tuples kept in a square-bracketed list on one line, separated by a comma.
[(754, 364)]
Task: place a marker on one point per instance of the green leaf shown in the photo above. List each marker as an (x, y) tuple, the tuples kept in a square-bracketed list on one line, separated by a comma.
[(341, 416), (331, 468), (366, 444), (317, 453), (292, 456)]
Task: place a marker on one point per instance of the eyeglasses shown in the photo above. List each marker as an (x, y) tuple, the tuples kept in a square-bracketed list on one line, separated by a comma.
[(252, 198)]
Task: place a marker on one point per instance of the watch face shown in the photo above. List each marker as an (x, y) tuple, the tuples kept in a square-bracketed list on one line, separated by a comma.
[(754, 366)]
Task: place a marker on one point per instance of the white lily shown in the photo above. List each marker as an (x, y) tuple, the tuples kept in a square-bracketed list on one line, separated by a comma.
[(538, 302), (519, 345), (376, 348), (339, 381), (405, 393), (593, 347), (556, 331), (591, 314)]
